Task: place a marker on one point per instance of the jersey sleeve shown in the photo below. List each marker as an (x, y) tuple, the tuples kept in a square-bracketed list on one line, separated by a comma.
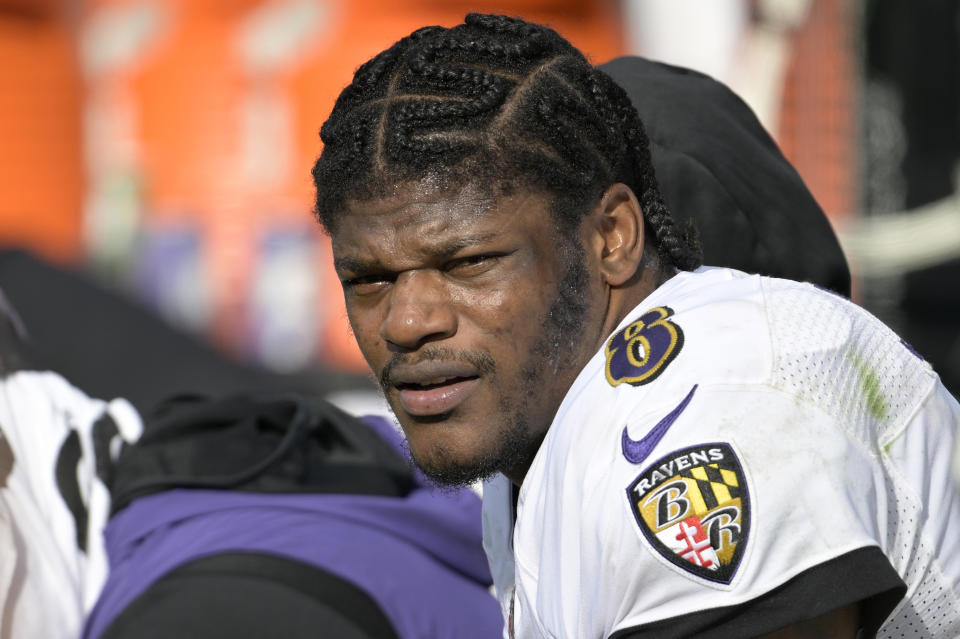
[(754, 511), (59, 446), (862, 576)]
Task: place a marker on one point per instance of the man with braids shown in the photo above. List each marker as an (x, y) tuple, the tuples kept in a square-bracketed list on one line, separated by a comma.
[(670, 449)]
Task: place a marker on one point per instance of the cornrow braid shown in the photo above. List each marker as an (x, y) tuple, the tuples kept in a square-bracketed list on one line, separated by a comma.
[(498, 103), (680, 248)]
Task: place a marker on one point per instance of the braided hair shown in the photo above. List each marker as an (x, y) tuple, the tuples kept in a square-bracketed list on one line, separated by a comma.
[(495, 102)]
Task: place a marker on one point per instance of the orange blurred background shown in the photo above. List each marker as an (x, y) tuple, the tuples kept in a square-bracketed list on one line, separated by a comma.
[(167, 145)]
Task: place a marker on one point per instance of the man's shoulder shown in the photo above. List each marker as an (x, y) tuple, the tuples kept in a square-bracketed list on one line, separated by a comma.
[(724, 406), (742, 340), (709, 323), (707, 326), (724, 326)]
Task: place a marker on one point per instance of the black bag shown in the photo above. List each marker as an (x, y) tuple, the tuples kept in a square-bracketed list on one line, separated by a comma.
[(258, 443)]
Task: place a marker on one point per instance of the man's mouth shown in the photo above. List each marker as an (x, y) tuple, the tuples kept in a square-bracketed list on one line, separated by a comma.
[(434, 398), (433, 388)]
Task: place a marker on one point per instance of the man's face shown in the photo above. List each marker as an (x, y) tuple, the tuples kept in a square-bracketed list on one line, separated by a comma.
[(472, 312)]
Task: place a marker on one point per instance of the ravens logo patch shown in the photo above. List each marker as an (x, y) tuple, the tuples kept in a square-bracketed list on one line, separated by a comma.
[(693, 507)]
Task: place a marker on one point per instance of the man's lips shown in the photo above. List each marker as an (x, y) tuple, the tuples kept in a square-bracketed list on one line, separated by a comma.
[(433, 388)]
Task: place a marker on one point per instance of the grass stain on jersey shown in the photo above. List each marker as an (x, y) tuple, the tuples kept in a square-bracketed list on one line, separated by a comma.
[(6, 460), (870, 384)]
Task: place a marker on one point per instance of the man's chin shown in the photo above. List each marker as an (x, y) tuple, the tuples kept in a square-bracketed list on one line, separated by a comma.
[(455, 476), (445, 467)]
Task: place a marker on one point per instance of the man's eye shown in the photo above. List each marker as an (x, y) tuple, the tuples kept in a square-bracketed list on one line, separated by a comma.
[(472, 264), (365, 285)]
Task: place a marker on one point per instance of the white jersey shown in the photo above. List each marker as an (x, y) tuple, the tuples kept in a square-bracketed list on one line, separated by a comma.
[(53, 503), (744, 453)]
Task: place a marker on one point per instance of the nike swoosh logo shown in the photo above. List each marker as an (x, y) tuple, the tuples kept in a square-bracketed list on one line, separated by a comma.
[(636, 450)]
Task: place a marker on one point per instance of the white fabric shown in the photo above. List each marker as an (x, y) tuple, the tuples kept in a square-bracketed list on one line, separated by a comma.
[(843, 434), (47, 583)]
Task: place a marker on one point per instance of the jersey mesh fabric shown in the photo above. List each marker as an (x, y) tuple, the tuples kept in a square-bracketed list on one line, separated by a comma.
[(873, 403), (871, 400), (932, 610)]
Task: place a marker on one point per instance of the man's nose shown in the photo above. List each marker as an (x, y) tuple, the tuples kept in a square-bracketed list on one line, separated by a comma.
[(419, 310)]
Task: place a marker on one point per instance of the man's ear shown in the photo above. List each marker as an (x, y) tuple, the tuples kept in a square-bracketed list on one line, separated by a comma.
[(619, 234)]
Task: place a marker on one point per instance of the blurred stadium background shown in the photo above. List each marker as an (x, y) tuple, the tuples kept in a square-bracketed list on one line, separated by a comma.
[(163, 147)]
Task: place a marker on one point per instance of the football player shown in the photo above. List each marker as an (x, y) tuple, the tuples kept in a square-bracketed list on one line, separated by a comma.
[(671, 449)]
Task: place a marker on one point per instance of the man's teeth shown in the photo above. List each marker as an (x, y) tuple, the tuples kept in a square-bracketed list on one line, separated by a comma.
[(439, 381), (432, 383)]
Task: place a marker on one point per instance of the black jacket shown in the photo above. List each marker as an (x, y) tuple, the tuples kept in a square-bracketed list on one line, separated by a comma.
[(717, 164)]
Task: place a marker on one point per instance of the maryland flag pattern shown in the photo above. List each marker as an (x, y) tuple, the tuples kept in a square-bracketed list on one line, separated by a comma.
[(693, 507)]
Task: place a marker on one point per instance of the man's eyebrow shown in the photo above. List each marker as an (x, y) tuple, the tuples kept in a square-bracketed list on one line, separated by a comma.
[(455, 245), (353, 265), (440, 250)]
